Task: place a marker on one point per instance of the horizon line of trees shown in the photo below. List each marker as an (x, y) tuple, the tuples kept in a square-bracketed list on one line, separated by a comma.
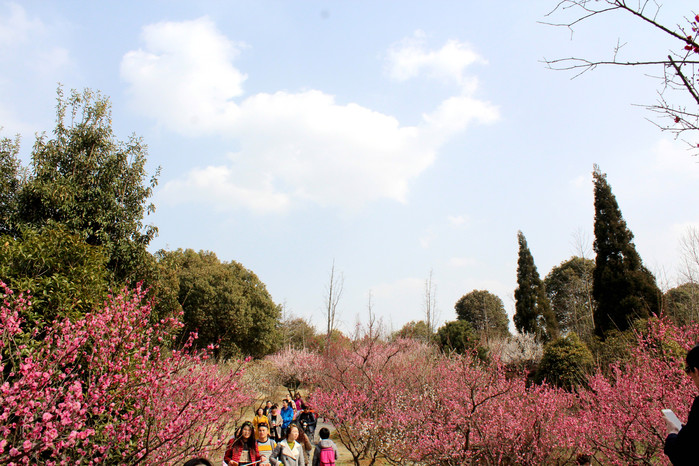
[(73, 227)]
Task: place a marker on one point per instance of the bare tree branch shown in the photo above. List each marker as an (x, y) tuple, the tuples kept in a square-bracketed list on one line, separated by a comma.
[(679, 69), (332, 298)]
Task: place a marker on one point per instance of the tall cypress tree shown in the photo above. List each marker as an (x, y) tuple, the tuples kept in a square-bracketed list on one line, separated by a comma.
[(533, 313), (622, 287)]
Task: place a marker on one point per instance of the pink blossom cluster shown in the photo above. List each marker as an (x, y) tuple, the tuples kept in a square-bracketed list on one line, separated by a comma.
[(295, 364), (105, 389), (409, 404), (619, 415)]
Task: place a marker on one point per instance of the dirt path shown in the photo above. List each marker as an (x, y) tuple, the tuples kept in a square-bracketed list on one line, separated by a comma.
[(345, 457)]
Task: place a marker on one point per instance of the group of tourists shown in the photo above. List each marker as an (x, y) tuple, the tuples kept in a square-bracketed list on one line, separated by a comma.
[(281, 436)]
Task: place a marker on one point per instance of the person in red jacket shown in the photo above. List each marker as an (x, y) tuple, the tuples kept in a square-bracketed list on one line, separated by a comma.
[(242, 448)]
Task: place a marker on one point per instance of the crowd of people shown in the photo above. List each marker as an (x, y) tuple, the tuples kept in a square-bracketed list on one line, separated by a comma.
[(281, 436)]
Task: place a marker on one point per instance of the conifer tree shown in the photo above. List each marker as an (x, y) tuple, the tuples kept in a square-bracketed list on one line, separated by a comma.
[(533, 313), (622, 287)]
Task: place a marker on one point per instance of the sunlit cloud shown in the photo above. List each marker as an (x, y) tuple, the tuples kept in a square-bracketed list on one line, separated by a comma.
[(410, 58), (294, 147)]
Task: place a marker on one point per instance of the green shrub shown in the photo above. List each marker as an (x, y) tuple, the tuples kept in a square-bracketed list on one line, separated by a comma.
[(566, 363), (460, 337)]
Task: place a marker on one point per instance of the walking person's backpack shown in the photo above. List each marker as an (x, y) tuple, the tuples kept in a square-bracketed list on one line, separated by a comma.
[(327, 456)]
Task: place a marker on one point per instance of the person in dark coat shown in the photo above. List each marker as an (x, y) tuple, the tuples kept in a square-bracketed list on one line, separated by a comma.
[(681, 445)]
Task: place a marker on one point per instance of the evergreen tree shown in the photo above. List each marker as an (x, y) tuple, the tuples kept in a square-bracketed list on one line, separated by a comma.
[(485, 312), (622, 287), (533, 313)]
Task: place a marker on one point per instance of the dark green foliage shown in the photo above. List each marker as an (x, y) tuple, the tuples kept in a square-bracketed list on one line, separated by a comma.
[(225, 303), (566, 363), (457, 335), (84, 178), (65, 276), (10, 183), (622, 287), (485, 313), (415, 330), (569, 288), (681, 304), (616, 347), (533, 313)]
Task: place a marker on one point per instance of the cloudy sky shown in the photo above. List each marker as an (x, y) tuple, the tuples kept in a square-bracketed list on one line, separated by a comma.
[(396, 139)]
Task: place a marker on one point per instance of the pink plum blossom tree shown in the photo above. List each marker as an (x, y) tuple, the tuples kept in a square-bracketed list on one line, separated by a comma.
[(105, 389)]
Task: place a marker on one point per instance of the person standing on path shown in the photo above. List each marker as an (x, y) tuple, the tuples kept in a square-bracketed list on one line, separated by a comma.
[(242, 449), (287, 416), (258, 419), (289, 452), (265, 445), (275, 424), (326, 450)]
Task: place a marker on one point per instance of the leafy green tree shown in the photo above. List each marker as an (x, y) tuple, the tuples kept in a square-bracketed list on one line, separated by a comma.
[(64, 276), (622, 287), (569, 288), (485, 312), (225, 303), (681, 303), (566, 363), (299, 333), (414, 330), (457, 335), (84, 178), (533, 313), (10, 183)]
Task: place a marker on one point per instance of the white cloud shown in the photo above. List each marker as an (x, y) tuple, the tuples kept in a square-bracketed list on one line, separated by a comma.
[(410, 58), (31, 40), (16, 28), (184, 78), (462, 262), (202, 185), (294, 147), (458, 220)]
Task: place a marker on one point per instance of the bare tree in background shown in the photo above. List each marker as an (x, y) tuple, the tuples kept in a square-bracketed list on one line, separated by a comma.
[(689, 247), (583, 248), (681, 303), (677, 103), (332, 297), (374, 329), (430, 304)]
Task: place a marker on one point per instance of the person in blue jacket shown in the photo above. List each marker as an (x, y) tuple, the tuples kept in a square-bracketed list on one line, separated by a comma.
[(287, 416), (681, 446)]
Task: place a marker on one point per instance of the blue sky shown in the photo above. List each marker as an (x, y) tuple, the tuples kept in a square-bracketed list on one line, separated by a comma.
[(393, 138)]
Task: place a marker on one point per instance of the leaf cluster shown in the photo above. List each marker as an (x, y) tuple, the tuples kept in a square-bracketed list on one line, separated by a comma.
[(223, 302), (566, 363), (485, 313)]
